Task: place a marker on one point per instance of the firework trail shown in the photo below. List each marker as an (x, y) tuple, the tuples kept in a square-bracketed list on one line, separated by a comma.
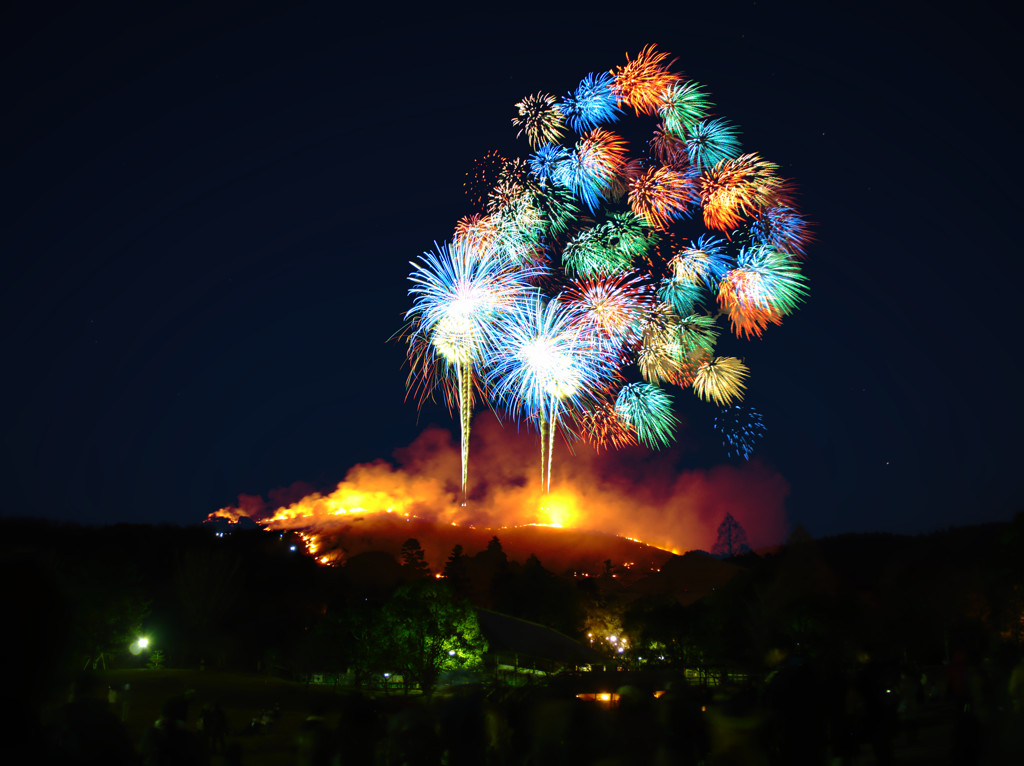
[(544, 366), (459, 295)]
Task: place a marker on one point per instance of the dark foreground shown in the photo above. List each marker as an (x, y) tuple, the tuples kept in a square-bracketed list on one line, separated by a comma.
[(265, 721)]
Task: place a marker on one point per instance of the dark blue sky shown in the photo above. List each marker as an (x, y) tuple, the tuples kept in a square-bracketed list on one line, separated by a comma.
[(208, 215)]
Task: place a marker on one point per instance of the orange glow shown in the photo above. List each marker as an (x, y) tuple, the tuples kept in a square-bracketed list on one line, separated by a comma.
[(655, 504)]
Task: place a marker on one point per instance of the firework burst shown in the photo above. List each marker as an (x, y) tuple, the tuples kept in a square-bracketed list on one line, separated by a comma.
[(662, 195), (684, 297), (609, 310), (685, 105), (721, 380), (704, 263), (644, 81), (544, 367), (712, 141), (604, 428), (765, 286), (458, 298), (540, 120), (782, 227), (669, 150), (545, 161), (594, 102), (738, 188), (648, 411), (592, 168)]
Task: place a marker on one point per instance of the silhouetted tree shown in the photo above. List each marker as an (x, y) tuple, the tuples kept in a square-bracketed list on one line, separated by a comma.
[(456, 571), (413, 559), (732, 540)]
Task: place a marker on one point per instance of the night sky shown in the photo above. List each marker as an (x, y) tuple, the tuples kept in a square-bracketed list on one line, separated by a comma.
[(209, 213)]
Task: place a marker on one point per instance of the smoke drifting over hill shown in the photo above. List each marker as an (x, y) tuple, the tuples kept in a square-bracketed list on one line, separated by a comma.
[(630, 493)]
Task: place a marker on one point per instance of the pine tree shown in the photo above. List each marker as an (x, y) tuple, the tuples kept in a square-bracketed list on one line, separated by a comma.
[(456, 571), (413, 560), (732, 539)]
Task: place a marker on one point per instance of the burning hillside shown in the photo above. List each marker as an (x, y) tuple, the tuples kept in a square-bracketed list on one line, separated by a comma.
[(594, 499)]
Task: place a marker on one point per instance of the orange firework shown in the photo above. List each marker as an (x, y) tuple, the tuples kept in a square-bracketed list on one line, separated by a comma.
[(476, 233), (742, 295), (642, 83), (661, 195), (735, 189), (603, 149)]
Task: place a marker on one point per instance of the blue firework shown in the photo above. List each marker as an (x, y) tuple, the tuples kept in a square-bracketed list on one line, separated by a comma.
[(545, 161), (540, 362), (594, 102), (705, 263), (741, 428), (782, 227), (588, 181)]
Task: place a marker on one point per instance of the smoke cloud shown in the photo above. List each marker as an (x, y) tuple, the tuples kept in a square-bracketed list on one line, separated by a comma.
[(630, 493)]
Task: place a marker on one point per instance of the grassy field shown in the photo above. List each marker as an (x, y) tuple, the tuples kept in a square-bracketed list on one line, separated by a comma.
[(241, 696)]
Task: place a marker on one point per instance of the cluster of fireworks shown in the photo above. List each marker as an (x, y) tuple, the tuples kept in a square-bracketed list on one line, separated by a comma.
[(591, 281)]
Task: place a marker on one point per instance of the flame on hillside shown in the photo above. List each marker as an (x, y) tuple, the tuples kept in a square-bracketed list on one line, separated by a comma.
[(643, 497)]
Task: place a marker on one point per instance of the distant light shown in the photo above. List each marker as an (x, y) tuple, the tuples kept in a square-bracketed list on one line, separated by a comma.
[(451, 652), (613, 639), (387, 675), (292, 548), (621, 650)]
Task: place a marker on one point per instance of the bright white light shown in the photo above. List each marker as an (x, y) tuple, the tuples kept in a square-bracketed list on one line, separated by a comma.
[(451, 652)]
